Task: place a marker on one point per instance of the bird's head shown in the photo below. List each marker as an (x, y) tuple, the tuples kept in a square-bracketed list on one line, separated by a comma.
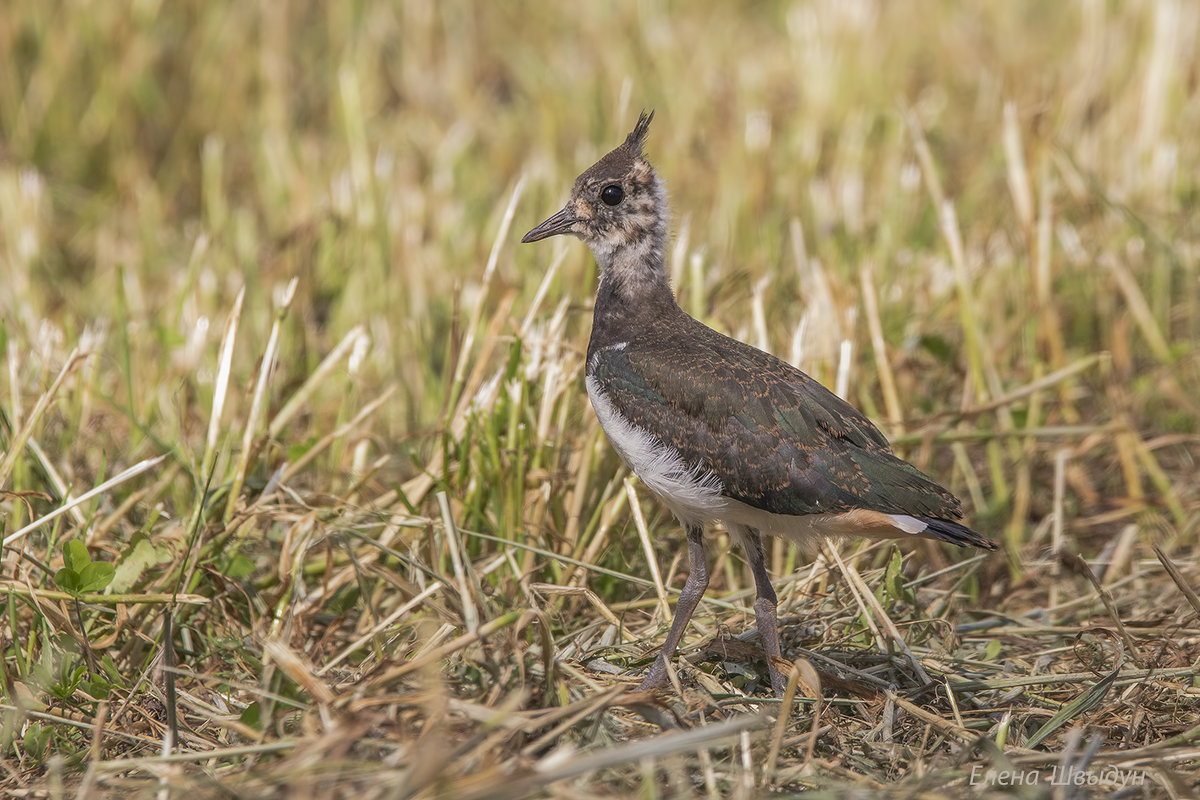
[(617, 204)]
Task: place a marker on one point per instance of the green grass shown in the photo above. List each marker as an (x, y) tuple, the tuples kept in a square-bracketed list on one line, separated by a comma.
[(272, 352)]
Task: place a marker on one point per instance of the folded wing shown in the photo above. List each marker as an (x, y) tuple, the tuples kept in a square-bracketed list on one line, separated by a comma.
[(777, 439)]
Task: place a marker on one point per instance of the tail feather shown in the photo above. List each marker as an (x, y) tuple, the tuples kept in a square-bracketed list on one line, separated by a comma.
[(953, 532)]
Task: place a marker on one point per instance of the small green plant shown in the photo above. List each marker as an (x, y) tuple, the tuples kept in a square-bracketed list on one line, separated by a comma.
[(60, 671), (894, 589), (80, 574), (36, 740)]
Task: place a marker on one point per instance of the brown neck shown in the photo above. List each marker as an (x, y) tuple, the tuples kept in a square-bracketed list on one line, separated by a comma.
[(635, 288), (633, 296)]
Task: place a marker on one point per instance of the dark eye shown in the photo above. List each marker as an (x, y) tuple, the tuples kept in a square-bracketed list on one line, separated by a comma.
[(612, 194)]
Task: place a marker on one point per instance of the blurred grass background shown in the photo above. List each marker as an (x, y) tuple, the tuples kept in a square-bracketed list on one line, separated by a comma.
[(276, 244)]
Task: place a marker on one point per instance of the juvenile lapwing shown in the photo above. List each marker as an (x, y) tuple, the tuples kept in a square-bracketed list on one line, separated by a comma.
[(717, 429)]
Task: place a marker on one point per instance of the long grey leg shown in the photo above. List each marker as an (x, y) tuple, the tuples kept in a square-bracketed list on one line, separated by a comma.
[(689, 598), (764, 603)]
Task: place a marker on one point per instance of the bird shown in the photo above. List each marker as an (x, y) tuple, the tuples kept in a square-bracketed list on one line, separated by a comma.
[(718, 430)]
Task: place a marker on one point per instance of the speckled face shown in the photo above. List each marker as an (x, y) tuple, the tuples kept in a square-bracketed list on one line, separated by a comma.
[(616, 204)]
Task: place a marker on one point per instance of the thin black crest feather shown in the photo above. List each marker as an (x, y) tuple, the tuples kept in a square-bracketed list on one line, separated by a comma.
[(637, 137)]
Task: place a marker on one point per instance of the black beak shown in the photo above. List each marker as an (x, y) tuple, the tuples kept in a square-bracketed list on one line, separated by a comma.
[(559, 223)]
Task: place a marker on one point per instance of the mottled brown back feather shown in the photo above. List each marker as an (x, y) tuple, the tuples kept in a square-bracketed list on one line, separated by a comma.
[(777, 439)]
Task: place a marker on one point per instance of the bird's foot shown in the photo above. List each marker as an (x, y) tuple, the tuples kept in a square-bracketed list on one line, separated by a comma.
[(656, 678)]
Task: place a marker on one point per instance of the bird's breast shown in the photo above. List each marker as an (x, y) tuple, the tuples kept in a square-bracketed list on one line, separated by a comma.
[(692, 493)]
